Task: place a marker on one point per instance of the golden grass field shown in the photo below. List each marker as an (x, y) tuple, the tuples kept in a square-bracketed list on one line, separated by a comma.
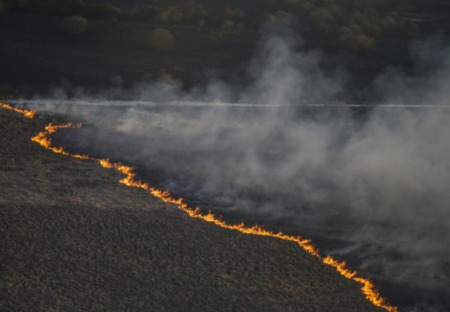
[(73, 239)]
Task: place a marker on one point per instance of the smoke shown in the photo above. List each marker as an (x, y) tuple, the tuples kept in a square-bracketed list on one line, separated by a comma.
[(282, 75), (283, 71), (371, 183), (425, 82)]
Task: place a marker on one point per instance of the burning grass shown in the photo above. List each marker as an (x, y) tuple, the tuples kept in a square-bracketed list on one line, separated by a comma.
[(76, 240)]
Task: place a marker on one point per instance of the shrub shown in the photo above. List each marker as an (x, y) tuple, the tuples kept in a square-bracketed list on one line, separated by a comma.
[(170, 14), (281, 18), (161, 39), (73, 25), (201, 23), (227, 26), (349, 39), (364, 42), (322, 16), (233, 13), (194, 12)]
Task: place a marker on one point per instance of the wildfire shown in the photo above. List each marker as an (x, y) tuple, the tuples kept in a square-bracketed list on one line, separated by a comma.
[(27, 113), (43, 138), (368, 288)]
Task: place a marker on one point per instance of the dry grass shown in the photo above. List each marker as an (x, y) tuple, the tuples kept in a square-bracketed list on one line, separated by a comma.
[(73, 239)]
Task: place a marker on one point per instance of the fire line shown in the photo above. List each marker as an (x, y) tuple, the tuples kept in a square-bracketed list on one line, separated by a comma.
[(43, 138)]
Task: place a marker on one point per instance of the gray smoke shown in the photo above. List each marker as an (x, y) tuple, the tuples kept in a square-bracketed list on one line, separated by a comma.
[(375, 180), (426, 82)]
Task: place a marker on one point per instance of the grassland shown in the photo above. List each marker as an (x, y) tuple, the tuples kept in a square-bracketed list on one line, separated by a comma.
[(73, 239)]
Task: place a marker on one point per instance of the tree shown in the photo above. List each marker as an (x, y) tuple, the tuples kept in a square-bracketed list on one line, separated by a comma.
[(161, 39), (350, 39), (233, 14), (170, 15)]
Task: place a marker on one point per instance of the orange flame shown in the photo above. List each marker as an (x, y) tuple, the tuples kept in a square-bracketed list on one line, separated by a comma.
[(368, 288), (44, 140), (27, 113)]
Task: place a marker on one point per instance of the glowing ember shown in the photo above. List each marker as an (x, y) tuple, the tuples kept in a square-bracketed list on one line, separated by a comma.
[(368, 288)]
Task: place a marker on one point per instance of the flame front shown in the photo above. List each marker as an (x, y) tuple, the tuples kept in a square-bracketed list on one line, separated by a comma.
[(27, 113), (43, 138)]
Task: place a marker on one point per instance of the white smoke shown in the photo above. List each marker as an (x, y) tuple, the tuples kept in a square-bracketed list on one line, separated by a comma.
[(375, 179)]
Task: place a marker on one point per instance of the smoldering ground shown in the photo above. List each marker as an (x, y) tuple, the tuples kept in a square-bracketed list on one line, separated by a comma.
[(370, 184)]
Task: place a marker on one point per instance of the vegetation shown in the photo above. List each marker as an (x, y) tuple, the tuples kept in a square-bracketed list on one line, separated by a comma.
[(349, 24), (73, 25), (280, 17), (161, 39)]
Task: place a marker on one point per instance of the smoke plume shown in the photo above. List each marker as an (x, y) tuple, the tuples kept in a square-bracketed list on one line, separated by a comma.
[(370, 183)]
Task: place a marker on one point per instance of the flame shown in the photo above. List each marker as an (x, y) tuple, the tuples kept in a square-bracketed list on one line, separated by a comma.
[(368, 288), (44, 140), (27, 113)]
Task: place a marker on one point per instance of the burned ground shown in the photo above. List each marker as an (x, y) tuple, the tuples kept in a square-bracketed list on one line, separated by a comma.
[(73, 239)]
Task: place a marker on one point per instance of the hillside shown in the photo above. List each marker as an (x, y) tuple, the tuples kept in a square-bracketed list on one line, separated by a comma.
[(73, 239)]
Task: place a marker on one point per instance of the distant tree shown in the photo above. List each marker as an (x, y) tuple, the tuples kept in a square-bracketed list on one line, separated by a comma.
[(194, 12), (364, 42), (201, 23), (350, 39), (322, 16), (161, 39), (227, 26), (305, 6), (389, 24), (169, 15), (73, 25), (372, 29), (233, 13), (279, 18)]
